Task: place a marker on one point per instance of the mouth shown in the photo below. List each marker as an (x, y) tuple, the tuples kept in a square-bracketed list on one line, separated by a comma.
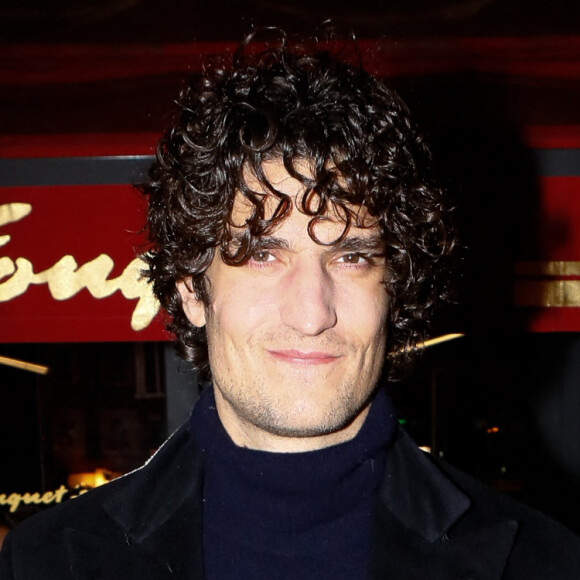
[(304, 358)]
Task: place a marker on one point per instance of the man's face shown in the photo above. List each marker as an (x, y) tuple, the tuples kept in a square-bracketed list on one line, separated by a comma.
[(296, 336)]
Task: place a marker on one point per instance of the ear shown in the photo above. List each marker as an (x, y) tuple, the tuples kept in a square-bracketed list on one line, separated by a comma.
[(193, 308)]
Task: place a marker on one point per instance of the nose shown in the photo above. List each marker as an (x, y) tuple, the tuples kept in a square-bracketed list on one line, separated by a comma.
[(308, 301)]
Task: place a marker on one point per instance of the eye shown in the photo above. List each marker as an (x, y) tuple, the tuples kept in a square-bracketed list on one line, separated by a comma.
[(352, 258), (262, 256)]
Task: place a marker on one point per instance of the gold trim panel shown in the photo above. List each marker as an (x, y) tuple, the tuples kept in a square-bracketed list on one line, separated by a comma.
[(547, 293), (555, 268)]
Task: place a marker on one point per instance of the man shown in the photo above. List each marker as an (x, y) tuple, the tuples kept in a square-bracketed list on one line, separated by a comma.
[(299, 249)]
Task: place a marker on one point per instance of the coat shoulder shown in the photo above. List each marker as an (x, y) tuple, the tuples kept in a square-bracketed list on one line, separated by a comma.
[(542, 548)]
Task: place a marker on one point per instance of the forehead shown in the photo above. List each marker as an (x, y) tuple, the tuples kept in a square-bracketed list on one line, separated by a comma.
[(327, 227)]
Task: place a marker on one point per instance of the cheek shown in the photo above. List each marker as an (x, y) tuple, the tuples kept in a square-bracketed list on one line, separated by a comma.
[(365, 314), (237, 315)]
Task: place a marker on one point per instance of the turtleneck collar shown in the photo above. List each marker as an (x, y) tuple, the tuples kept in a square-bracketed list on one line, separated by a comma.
[(290, 491)]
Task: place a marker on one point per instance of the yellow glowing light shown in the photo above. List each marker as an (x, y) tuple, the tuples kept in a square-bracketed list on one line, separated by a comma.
[(25, 366), (90, 478)]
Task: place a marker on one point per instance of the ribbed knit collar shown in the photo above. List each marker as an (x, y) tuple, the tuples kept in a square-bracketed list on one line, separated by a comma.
[(291, 491)]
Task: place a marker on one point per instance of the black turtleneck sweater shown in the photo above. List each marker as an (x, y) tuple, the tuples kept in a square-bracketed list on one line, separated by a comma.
[(299, 516)]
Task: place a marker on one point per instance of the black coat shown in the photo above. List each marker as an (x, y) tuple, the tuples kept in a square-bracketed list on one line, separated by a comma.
[(433, 523)]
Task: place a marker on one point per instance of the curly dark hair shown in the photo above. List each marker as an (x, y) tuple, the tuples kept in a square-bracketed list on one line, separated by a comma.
[(362, 149)]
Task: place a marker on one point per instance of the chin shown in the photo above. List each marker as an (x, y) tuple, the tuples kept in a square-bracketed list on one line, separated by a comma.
[(302, 425)]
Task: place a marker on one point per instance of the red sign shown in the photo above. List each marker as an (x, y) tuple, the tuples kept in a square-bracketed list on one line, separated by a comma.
[(550, 285), (69, 265)]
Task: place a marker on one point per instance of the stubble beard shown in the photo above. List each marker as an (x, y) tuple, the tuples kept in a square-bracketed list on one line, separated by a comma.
[(280, 419)]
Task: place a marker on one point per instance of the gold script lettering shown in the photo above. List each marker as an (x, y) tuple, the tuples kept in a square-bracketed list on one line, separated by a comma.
[(65, 278), (15, 499), (10, 213)]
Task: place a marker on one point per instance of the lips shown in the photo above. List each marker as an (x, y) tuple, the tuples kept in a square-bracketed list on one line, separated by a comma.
[(304, 358)]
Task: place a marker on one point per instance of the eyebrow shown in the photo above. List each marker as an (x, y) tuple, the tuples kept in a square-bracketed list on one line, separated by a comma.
[(357, 244), (272, 243), (264, 242)]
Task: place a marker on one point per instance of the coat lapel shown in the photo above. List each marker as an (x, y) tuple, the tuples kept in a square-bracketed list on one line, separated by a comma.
[(158, 512), (98, 558), (428, 528)]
